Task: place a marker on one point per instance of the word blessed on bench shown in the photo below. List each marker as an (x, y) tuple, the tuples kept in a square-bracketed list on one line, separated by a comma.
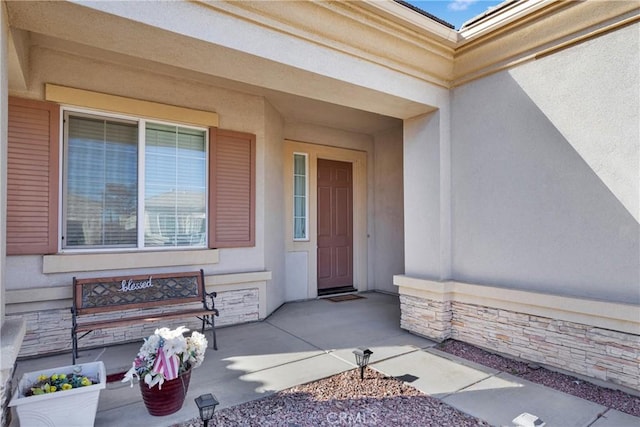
[(130, 285)]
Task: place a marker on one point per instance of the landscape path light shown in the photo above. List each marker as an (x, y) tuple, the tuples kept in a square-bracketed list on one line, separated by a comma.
[(362, 359), (207, 406)]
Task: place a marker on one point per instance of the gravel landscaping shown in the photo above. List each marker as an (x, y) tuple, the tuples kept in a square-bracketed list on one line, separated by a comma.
[(344, 400), (610, 398)]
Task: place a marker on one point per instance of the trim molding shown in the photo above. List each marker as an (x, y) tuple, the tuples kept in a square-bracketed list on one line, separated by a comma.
[(236, 278), (67, 263), (511, 39), (59, 297), (358, 159), (134, 107), (388, 34), (603, 314)]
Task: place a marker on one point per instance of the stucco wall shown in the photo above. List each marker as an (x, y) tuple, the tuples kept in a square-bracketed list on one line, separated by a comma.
[(387, 239), (4, 40), (274, 207), (236, 111), (422, 196), (545, 176), (6, 366)]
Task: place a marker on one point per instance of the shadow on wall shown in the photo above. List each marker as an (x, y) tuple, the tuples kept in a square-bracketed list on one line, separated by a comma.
[(530, 210)]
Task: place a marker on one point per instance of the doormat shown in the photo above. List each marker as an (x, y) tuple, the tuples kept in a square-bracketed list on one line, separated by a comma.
[(341, 298)]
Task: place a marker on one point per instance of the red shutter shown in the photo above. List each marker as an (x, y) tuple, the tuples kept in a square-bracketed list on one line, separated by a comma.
[(32, 177), (233, 192)]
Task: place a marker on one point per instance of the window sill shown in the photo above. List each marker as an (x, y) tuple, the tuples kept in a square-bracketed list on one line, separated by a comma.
[(129, 260)]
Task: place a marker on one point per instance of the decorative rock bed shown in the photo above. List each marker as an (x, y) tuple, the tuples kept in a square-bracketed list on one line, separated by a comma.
[(379, 400), (344, 399)]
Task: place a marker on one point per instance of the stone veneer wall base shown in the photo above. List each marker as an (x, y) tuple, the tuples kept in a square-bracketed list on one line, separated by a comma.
[(49, 331), (428, 318), (590, 350), (603, 354)]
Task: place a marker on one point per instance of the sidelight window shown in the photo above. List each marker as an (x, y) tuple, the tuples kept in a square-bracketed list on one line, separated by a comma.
[(300, 197)]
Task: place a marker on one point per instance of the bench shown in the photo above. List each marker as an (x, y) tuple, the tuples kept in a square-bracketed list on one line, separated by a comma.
[(139, 294)]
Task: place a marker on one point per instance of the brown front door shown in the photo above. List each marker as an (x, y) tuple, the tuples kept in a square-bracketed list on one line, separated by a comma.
[(335, 224)]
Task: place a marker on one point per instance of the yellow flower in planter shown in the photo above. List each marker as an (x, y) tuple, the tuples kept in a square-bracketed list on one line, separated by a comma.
[(58, 382), (48, 388), (33, 405)]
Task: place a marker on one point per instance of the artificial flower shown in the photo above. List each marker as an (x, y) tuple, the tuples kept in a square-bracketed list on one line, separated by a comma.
[(165, 355)]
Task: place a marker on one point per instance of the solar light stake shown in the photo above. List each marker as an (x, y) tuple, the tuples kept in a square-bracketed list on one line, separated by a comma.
[(362, 359), (207, 406)]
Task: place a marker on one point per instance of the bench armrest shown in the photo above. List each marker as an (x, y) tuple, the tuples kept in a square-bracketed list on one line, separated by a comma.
[(209, 302)]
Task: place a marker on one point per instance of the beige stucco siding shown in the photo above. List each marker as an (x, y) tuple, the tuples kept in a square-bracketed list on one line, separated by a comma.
[(245, 113), (545, 173), (236, 111), (386, 242)]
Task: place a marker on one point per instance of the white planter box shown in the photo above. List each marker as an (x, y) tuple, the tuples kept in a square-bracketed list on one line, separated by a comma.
[(75, 407)]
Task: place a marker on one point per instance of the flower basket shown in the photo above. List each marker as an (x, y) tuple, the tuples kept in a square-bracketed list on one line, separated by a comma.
[(169, 398), (163, 367), (74, 407)]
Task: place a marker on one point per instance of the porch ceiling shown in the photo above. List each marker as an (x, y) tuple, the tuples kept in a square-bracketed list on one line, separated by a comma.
[(299, 95)]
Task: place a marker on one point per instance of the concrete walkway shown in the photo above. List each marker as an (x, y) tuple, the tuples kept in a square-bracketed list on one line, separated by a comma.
[(307, 341)]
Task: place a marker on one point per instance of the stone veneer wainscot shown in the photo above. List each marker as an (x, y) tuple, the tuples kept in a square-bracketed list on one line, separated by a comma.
[(49, 331), (442, 310)]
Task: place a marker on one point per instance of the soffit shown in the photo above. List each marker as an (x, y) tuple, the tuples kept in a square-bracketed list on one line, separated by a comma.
[(198, 57), (378, 32), (294, 109), (375, 56)]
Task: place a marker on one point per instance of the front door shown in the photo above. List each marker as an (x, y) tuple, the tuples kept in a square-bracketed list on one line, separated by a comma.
[(335, 225)]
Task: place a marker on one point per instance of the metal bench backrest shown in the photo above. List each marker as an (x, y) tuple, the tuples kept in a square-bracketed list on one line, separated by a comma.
[(105, 294)]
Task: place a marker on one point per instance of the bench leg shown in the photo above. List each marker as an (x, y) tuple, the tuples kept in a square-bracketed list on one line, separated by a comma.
[(74, 349), (213, 334), (211, 321)]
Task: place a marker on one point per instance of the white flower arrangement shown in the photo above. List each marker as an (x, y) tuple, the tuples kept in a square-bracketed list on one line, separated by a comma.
[(167, 354)]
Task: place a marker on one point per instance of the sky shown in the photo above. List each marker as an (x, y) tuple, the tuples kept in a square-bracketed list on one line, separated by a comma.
[(455, 12)]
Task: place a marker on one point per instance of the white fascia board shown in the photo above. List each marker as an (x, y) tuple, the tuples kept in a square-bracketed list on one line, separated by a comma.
[(500, 19), (413, 20)]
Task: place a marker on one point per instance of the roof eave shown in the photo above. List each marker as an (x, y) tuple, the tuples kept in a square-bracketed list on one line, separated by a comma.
[(413, 20), (502, 15)]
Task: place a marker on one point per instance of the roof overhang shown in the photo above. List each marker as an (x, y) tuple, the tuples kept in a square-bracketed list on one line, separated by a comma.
[(371, 56)]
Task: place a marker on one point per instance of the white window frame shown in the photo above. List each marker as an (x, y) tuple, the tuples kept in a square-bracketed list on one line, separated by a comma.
[(141, 121), (306, 190)]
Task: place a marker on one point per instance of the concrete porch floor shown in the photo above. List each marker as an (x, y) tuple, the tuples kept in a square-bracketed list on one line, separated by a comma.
[(307, 341)]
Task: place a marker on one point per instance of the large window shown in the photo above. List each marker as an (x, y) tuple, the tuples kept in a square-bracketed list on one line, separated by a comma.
[(132, 183)]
